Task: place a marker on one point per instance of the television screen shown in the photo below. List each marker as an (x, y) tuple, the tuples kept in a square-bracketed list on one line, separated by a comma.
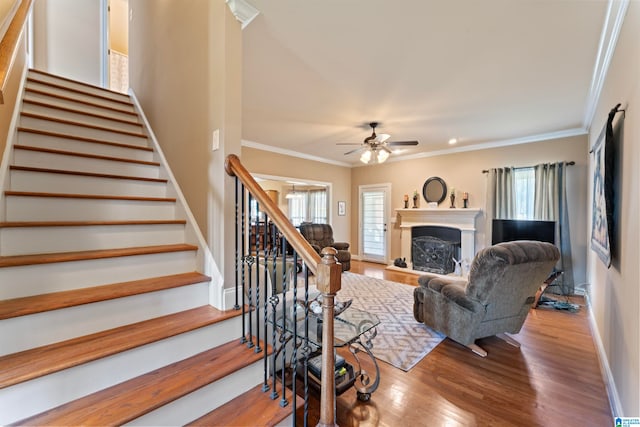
[(508, 230)]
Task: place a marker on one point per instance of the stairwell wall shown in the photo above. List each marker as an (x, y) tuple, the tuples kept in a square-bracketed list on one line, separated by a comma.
[(185, 69)]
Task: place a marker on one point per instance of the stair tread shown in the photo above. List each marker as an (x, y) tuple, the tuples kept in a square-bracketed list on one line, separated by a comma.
[(56, 300), (85, 113), (252, 408), (86, 155), (83, 138), (89, 174), (31, 79), (131, 399), (81, 124), (66, 79), (17, 224), (49, 258), (34, 363), (87, 196), (79, 101)]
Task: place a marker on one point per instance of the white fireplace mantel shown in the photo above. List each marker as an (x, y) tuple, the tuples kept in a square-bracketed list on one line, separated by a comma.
[(460, 218)]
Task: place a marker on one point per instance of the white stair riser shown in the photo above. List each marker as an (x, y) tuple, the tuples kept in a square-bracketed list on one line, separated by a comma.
[(71, 129), (79, 96), (25, 332), (83, 164), (63, 276), (86, 147), (38, 395), (64, 209), (69, 103), (74, 184), (204, 400), (38, 240), (79, 117), (79, 86)]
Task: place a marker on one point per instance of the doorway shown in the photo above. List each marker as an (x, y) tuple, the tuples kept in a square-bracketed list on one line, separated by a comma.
[(374, 214), (117, 45)]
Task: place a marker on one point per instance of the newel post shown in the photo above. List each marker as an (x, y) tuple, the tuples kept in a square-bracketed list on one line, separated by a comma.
[(328, 276)]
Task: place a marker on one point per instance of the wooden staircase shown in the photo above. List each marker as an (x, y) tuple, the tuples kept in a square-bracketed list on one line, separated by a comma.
[(104, 310)]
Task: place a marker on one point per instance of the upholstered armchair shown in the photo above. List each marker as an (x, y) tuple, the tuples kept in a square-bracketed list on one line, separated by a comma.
[(496, 299), (321, 236)]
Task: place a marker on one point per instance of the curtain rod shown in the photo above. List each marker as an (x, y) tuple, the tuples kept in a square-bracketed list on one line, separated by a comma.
[(571, 163)]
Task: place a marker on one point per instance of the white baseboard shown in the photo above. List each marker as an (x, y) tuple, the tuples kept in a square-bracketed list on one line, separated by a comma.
[(607, 375)]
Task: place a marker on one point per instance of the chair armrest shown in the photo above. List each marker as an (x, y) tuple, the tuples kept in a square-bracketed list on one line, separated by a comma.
[(317, 248), (341, 245), (453, 290)]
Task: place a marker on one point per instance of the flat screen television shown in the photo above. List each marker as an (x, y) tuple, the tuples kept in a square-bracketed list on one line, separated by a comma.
[(508, 230)]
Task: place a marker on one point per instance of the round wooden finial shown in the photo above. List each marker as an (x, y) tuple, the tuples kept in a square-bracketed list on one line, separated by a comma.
[(329, 255)]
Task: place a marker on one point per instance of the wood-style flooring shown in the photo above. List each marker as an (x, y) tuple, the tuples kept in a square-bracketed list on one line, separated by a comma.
[(554, 379)]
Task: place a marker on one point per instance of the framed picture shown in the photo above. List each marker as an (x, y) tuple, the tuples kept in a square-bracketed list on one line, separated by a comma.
[(342, 208)]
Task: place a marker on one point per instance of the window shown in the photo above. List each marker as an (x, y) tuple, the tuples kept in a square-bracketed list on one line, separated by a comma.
[(308, 206), (297, 208), (525, 189)]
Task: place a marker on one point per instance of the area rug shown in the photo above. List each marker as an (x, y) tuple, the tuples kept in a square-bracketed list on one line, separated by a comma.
[(401, 340)]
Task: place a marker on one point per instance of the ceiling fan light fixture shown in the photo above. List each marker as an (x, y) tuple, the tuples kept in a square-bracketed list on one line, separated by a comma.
[(453, 141), (383, 155), (366, 157)]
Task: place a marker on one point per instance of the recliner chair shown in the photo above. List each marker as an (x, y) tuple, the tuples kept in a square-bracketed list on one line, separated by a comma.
[(501, 289), (321, 236)]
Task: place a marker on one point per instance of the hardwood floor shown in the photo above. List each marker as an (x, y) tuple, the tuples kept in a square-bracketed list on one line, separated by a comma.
[(554, 379)]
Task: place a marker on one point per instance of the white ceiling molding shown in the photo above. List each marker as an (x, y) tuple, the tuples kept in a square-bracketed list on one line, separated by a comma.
[(616, 11), (496, 144), (292, 153), (243, 11)]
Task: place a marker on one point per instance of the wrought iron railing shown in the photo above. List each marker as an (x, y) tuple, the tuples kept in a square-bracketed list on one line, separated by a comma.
[(276, 270)]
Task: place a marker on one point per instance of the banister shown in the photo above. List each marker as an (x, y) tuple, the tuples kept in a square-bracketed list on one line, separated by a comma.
[(9, 43), (234, 167)]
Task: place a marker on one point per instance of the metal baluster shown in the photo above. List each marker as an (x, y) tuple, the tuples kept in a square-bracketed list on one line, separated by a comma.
[(251, 261), (274, 302), (294, 355), (265, 357), (236, 306), (244, 237), (283, 400), (307, 349), (258, 349)]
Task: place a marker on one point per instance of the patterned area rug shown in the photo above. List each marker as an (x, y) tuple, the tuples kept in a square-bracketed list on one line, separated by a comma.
[(401, 340)]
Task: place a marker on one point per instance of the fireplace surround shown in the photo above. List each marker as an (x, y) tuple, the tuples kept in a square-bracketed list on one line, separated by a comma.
[(460, 219)]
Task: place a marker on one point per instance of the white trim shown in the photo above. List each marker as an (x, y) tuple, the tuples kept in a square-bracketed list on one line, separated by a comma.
[(292, 153), (216, 287), (606, 49), (243, 11), (104, 43), (607, 375)]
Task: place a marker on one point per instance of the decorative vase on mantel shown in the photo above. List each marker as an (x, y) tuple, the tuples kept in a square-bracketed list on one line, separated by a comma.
[(415, 201), (452, 197)]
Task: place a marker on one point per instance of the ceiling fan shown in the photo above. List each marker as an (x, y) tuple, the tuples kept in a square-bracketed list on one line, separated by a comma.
[(376, 146)]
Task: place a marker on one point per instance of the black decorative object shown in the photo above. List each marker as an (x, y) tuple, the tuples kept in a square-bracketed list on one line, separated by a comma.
[(434, 190)]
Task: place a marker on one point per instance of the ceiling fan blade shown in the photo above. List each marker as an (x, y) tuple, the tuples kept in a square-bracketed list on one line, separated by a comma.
[(383, 147), (348, 143), (355, 151), (383, 137), (402, 143)]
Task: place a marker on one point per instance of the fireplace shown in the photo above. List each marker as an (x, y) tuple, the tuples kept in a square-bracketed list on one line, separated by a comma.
[(433, 248), (459, 222)]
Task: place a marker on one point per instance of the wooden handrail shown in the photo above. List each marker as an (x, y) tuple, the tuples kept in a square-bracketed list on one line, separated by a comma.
[(234, 167), (9, 43)]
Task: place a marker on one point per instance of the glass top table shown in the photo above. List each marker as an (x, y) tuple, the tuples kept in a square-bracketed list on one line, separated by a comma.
[(348, 326)]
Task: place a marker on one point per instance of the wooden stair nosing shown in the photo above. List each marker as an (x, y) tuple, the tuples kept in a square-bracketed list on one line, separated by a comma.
[(89, 196), (251, 409), (50, 258), (134, 398), (74, 90), (19, 224), (81, 124), (79, 101), (84, 155), (56, 76), (83, 139), (23, 306), (85, 113), (87, 174), (37, 362)]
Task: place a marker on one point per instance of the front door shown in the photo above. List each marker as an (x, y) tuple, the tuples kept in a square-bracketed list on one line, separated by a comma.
[(374, 213)]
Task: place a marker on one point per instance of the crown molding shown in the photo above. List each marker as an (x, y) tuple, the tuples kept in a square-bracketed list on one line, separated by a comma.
[(616, 11), (292, 153), (243, 11)]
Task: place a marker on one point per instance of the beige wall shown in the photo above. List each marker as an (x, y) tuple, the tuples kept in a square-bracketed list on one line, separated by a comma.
[(11, 91), (119, 26), (7, 7), (463, 171), (615, 292), (267, 163), (67, 39), (185, 69)]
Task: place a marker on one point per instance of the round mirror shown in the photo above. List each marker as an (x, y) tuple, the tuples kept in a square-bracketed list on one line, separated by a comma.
[(434, 190)]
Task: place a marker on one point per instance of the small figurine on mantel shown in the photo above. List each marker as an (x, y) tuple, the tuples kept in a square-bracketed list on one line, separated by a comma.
[(465, 200), (452, 197), (406, 201), (415, 199)]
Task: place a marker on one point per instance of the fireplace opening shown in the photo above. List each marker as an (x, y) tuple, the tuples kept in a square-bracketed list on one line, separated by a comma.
[(433, 248)]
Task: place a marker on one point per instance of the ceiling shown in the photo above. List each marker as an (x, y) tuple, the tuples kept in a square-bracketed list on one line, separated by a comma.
[(488, 73)]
